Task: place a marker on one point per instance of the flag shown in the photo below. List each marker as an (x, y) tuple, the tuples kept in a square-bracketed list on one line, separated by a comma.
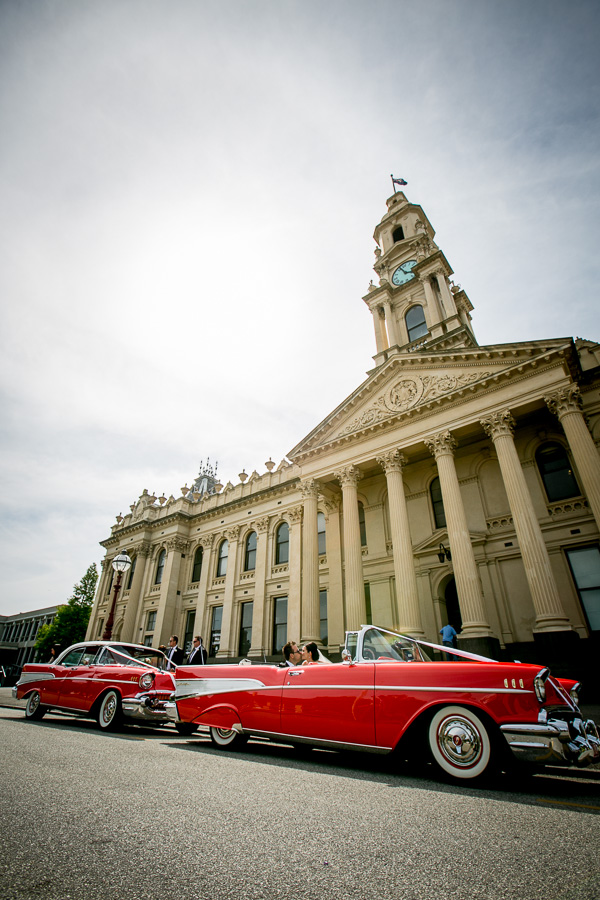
[(398, 180)]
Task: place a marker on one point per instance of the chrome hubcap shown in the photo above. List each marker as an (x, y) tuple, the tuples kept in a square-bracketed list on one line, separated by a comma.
[(459, 741), (224, 733), (109, 709), (34, 702)]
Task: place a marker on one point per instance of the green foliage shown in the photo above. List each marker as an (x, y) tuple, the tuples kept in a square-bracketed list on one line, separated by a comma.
[(71, 620)]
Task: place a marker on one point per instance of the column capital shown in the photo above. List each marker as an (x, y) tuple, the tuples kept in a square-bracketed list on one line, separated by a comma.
[(566, 400), (233, 533), (498, 424), (262, 525), (178, 544), (295, 514), (441, 444), (207, 541), (309, 488), (143, 549), (392, 461), (348, 475)]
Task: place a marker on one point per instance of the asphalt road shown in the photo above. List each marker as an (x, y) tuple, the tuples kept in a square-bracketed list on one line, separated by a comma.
[(149, 815)]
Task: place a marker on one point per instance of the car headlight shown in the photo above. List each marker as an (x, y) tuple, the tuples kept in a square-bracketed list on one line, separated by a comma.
[(146, 680), (574, 693), (539, 684)]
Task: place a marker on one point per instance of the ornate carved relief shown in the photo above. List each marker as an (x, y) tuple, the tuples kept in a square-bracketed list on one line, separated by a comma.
[(409, 392), (178, 544), (232, 533), (392, 461), (567, 400), (349, 475), (262, 525), (568, 508), (309, 488), (207, 541), (295, 514)]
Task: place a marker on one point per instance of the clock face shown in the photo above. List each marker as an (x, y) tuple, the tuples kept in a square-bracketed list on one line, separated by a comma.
[(403, 273)]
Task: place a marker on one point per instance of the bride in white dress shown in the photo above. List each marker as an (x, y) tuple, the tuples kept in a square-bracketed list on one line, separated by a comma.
[(312, 656)]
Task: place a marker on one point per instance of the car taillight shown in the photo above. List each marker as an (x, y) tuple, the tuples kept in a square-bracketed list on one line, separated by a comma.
[(539, 684), (146, 680)]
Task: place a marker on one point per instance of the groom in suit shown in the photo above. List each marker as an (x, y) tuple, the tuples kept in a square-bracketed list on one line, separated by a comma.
[(198, 654), (174, 653)]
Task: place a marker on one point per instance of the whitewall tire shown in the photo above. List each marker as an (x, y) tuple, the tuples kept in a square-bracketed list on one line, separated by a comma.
[(459, 742)]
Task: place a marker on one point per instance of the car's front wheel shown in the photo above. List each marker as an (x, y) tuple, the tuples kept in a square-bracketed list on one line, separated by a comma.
[(459, 742), (186, 727), (227, 739), (34, 708), (109, 711)]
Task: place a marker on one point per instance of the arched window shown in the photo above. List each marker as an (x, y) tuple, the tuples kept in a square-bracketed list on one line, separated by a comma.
[(250, 554), (321, 536), (160, 566), (282, 544), (222, 559), (131, 573), (362, 525), (437, 503), (197, 567), (415, 322), (556, 471), (398, 234)]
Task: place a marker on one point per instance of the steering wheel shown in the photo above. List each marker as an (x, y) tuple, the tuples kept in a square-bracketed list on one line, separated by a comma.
[(368, 653)]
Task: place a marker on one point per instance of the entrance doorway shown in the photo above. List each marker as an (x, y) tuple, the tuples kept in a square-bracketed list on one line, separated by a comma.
[(452, 607)]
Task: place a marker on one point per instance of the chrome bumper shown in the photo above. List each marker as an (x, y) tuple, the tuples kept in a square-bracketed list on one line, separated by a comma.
[(146, 707), (571, 741)]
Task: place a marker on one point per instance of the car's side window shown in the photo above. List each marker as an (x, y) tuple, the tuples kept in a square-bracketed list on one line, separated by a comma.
[(88, 657), (74, 657)]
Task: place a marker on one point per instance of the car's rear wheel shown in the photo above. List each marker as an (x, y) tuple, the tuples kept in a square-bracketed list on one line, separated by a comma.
[(34, 708), (227, 739), (460, 743), (109, 712), (186, 727)]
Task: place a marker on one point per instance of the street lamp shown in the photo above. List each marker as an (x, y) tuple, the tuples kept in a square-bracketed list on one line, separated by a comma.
[(444, 554), (121, 564)]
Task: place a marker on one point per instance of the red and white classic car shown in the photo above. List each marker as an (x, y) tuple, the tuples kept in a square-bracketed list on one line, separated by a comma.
[(388, 695), (110, 681)]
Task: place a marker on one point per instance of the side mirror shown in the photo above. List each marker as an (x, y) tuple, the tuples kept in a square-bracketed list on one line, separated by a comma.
[(346, 656)]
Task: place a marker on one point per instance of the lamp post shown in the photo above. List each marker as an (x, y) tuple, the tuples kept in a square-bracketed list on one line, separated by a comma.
[(121, 564), (444, 554)]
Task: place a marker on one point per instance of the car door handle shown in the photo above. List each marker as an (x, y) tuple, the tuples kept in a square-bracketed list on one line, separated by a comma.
[(295, 673)]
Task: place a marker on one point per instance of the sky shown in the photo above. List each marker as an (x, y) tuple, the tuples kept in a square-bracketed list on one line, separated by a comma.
[(188, 193)]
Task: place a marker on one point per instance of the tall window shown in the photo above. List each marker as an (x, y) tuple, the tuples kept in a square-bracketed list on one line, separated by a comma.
[(585, 566), (131, 573), (245, 629), (321, 536), (160, 566), (215, 630), (556, 471), (188, 634), (279, 623), (323, 616), (197, 567), (151, 623), (368, 603), (415, 323), (222, 559), (250, 553), (362, 525), (437, 503), (282, 545), (110, 580)]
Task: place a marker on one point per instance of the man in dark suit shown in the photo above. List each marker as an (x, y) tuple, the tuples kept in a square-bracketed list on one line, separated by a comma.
[(174, 653), (292, 656), (198, 653)]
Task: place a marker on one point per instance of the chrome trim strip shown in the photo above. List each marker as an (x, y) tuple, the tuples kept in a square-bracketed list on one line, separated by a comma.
[(187, 688), (301, 739), (28, 677), (449, 690)]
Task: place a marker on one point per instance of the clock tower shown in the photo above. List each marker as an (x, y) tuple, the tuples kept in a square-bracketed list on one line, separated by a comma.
[(415, 305)]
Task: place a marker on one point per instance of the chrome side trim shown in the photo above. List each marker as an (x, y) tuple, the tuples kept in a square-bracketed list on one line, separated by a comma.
[(316, 742), (28, 677), (186, 688), (450, 690)]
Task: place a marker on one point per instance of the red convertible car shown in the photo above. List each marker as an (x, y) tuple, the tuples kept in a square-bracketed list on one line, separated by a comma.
[(388, 695), (106, 680)]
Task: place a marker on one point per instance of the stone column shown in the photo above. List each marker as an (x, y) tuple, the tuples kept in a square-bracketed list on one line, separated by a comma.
[(310, 564), (468, 586), (168, 589), (435, 313), (201, 626), (447, 298), (294, 516), (335, 591), (356, 609), (142, 551), (227, 646), (392, 326), (260, 588), (567, 405), (379, 324), (549, 612), (407, 598)]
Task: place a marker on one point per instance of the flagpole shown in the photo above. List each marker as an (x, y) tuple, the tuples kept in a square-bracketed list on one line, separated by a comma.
[(393, 183)]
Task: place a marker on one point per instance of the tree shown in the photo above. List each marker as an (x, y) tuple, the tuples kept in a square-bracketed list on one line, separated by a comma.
[(71, 620)]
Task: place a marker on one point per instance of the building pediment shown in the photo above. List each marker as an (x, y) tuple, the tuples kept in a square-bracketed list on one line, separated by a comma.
[(413, 384)]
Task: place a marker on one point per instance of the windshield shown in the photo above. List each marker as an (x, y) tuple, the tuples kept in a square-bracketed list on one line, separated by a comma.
[(132, 656), (381, 645)]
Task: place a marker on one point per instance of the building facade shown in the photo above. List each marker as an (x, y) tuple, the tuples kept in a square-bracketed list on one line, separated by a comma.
[(18, 635), (457, 483)]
